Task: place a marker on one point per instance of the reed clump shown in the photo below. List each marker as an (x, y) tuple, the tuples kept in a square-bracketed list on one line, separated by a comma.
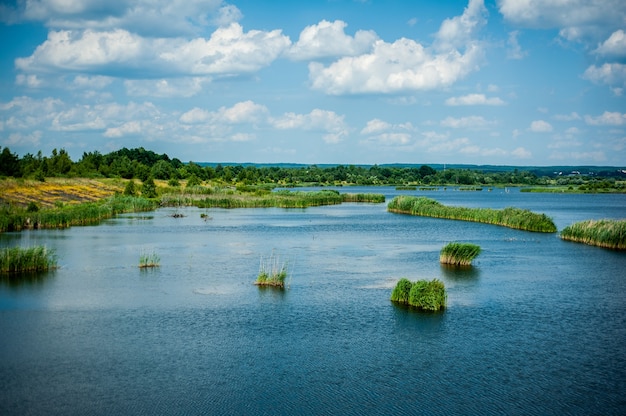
[(26, 260), (422, 294), (272, 272), (148, 260), (459, 254), (602, 233), (511, 217)]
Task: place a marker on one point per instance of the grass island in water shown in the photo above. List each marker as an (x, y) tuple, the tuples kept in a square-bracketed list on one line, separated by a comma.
[(459, 254), (26, 260), (422, 294), (508, 217), (272, 272), (601, 233)]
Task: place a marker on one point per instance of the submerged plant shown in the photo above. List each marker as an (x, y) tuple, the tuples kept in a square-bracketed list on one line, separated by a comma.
[(422, 294), (20, 260), (459, 254), (272, 272), (147, 260)]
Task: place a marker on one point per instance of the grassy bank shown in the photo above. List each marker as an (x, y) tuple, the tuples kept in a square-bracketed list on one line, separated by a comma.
[(508, 217), (279, 199), (422, 294), (459, 254), (25, 260), (601, 233), (17, 219)]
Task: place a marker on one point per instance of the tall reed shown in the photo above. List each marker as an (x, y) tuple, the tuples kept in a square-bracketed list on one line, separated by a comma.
[(459, 254), (147, 260), (508, 217), (272, 272), (422, 294), (602, 233), (21, 260)]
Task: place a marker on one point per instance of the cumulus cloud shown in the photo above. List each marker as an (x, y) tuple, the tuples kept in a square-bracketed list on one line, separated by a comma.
[(317, 120), (607, 118), (228, 51), (474, 99), (387, 134), (328, 39), (614, 46), (240, 113), (608, 74), (514, 50), (540, 126), (521, 153), (465, 122), (575, 19), (173, 87), (406, 65)]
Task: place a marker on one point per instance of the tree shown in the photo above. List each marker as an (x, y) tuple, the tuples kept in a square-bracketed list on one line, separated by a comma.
[(148, 189), (130, 188), (9, 164)]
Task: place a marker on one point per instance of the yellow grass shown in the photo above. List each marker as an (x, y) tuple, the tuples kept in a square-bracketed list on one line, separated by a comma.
[(57, 190)]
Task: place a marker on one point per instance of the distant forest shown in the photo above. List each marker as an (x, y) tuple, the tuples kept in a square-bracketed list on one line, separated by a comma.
[(142, 164)]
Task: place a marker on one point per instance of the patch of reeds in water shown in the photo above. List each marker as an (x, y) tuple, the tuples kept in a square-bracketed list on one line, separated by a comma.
[(148, 260), (72, 215), (422, 294), (272, 272), (517, 218), (26, 260), (602, 233), (283, 199), (459, 254)]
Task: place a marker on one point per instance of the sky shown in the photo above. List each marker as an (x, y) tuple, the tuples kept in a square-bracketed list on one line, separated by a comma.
[(498, 82)]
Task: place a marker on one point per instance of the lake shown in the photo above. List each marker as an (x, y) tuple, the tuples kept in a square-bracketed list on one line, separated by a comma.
[(536, 327)]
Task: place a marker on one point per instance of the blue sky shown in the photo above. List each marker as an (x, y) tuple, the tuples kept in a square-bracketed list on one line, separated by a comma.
[(506, 82)]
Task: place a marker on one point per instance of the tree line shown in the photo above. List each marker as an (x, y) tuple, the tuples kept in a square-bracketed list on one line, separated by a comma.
[(142, 164)]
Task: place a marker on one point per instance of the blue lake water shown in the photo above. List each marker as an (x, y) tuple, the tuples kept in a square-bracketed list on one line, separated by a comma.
[(536, 327)]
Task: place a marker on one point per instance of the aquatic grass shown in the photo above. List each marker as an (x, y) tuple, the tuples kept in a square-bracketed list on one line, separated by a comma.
[(90, 213), (422, 294), (602, 233), (272, 272), (26, 260), (517, 218), (147, 260), (459, 254)]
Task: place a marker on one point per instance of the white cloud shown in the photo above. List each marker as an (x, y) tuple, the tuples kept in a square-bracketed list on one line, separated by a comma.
[(387, 134), (328, 39), (375, 126), (568, 117), (128, 128), (228, 51), (608, 73), (173, 87), (240, 113), (317, 120), (474, 99), (614, 46), (576, 19), (465, 122), (30, 81), (514, 50), (24, 139), (607, 118), (521, 153), (540, 126), (406, 65)]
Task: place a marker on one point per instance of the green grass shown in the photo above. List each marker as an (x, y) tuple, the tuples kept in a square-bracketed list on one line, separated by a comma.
[(508, 217), (459, 254), (601, 233), (147, 260), (422, 294), (272, 272), (90, 213), (24, 260)]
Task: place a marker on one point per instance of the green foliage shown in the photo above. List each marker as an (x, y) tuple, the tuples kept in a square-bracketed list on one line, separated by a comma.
[(601, 233), (422, 294), (272, 272), (32, 207), (508, 217), (459, 254), (147, 260), (193, 181), (22, 260), (130, 188), (401, 291), (148, 188)]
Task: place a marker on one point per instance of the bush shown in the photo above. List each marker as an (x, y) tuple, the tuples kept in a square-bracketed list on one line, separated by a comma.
[(422, 294)]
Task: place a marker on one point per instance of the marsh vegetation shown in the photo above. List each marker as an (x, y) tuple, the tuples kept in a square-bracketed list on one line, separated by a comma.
[(422, 294), (149, 260), (26, 260), (508, 217), (272, 272), (602, 233), (459, 254)]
